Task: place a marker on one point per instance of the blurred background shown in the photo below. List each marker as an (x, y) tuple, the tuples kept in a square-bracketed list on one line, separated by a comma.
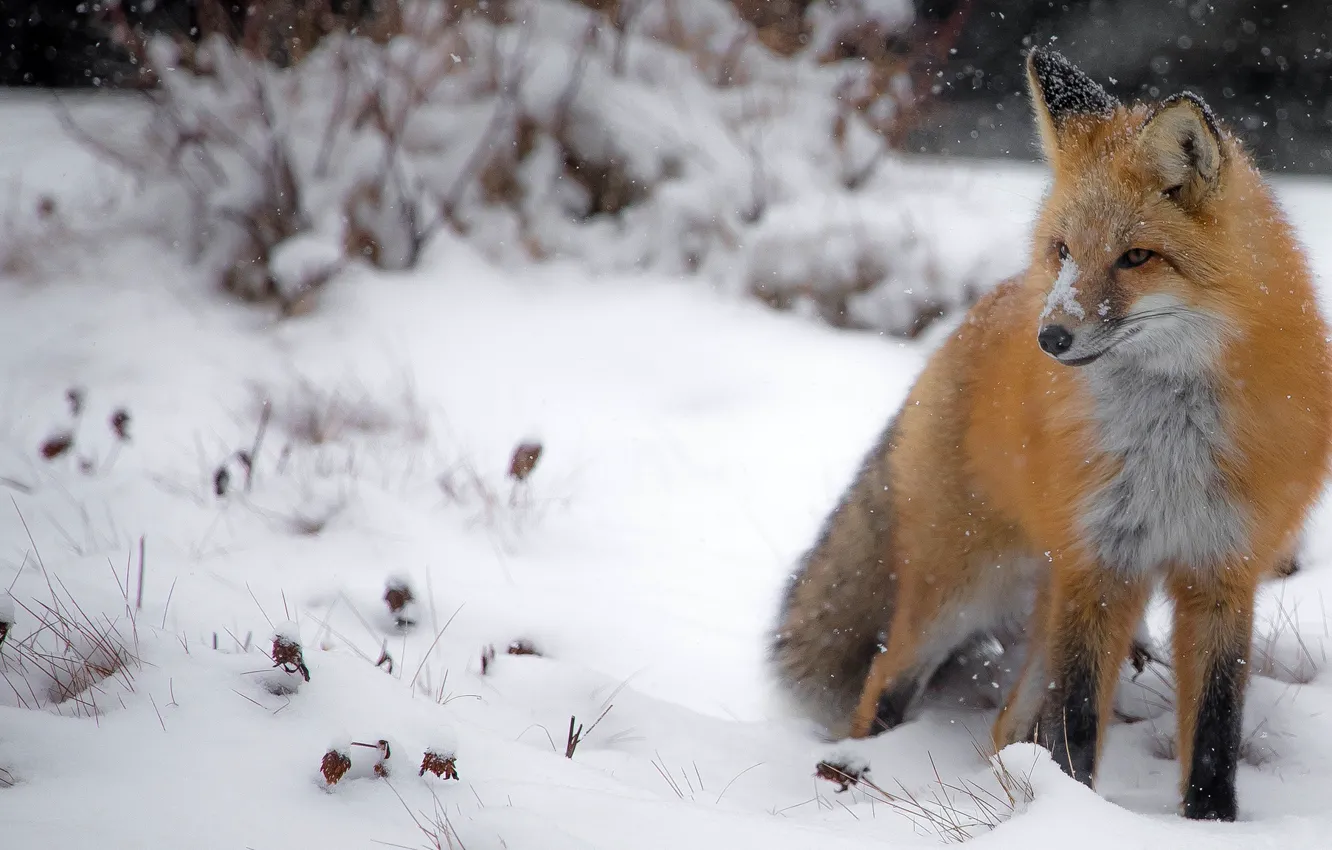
[(820, 156), (1264, 66)]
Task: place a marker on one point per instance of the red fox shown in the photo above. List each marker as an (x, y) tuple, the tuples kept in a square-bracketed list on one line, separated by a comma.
[(1148, 403)]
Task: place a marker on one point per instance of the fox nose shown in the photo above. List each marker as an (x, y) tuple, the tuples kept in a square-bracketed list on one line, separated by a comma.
[(1054, 340)]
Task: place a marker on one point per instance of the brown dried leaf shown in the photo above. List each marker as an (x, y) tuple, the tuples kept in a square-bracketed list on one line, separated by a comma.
[(287, 655), (524, 460), (57, 445), (397, 595), (334, 766), (443, 766), (120, 423), (842, 775), (523, 647)]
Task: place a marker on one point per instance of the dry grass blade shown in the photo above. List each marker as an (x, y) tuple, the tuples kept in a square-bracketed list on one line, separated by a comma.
[(433, 644), (66, 658), (953, 812), (436, 826)]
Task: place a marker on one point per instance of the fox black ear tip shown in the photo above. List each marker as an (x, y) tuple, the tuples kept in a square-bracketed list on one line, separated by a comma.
[(1065, 89), (1197, 101), (1044, 57)]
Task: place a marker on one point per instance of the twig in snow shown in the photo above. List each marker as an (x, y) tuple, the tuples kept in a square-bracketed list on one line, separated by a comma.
[(577, 737)]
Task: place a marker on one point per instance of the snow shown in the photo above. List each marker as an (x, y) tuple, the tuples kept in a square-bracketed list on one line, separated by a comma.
[(304, 261), (693, 442), (1063, 294), (443, 743), (288, 632)]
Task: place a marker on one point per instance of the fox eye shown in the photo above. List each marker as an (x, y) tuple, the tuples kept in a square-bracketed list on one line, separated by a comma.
[(1134, 257), (1063, 250)]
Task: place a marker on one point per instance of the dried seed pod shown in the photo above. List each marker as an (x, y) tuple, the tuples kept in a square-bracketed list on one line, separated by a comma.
[(221, 481), (381, 767), (57, 445), (523, 647), (287, 653), (842, 773), (6, 617), (120, 424), (524, 460), (398, 596), (487, 658), (334, 766), (443, 765)]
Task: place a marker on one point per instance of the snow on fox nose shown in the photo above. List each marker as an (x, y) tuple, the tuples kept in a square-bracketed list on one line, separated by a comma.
[(1063, 297)]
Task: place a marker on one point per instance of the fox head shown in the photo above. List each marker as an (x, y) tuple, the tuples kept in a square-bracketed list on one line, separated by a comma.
[(1132, 241)]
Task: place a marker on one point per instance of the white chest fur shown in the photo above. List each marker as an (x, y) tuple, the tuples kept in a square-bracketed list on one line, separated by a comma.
[(1168, 503)]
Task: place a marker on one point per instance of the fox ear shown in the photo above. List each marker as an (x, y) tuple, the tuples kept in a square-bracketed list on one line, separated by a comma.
[(1183, 146), (1059, 91)]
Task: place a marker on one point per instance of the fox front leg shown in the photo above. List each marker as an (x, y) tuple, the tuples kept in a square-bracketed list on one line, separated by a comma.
[(1093, 616)]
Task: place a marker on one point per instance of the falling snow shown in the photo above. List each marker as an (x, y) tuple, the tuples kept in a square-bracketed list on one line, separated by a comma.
[(693, 445)]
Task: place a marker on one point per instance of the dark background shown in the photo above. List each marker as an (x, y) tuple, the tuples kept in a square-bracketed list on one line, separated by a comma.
[(1263, 66)]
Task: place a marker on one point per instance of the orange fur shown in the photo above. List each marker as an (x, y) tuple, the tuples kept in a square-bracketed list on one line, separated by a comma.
[(999, 447)]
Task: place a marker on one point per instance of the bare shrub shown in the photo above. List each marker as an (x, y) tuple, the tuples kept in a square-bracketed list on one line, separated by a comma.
[(313, 414), (462, 483), (626, 134)]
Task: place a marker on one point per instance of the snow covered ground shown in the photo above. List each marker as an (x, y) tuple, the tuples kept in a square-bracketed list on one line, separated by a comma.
[(691, 445)]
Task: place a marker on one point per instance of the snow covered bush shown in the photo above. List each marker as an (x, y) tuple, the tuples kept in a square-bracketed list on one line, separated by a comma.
[(622, 134)]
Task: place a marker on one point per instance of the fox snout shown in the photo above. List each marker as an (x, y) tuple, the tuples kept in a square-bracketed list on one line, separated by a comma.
[(1054, 339), (1076, 346), (1080, 316)]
